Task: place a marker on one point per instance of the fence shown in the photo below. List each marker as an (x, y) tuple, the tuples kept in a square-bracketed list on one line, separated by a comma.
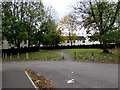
[(76, 47), (14, 51)]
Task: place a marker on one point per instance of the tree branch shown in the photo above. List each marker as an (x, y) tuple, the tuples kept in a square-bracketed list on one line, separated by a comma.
[(115, 17)]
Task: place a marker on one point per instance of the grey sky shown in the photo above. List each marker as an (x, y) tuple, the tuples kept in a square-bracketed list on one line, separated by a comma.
[(62, 7)]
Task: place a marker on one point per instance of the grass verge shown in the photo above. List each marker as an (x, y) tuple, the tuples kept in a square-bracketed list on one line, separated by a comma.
[(95, 55), (43, 55), (39, 80)]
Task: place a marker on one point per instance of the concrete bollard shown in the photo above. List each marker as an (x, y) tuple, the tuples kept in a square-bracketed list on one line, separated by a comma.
[(18, 56), (10, 55), (110, 56), (49, 52), (5, 55), (27, 55), (92, 54), (75, 55), (62, 55)]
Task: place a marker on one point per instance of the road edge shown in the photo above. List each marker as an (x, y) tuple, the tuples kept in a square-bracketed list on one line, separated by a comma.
[(31, 81)]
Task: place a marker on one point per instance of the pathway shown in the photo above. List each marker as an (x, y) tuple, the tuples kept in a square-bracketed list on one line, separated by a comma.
[(66, 56)]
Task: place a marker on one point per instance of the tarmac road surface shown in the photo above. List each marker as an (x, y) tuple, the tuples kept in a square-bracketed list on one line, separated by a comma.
[(86, 75)]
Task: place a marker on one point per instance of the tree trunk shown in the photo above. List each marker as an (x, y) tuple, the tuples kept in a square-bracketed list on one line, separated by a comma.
[(18, 44), (29, 42), (18, 47), (105, 48), (70, 38), (38, 44), (71, 42)]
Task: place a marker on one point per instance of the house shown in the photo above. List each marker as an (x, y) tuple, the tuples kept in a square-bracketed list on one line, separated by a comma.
[(78, 41), (5, 44)]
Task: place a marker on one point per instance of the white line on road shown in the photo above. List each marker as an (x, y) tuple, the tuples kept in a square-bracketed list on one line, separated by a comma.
[(31, 81)]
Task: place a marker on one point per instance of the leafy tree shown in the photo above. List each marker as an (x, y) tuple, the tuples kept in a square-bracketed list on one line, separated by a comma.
[(45, 31), (13, 25), (112, 37), (48, 33), (68, 23), (35, 17), (51, 37), (20, 21), (28, 21), (100, 17)]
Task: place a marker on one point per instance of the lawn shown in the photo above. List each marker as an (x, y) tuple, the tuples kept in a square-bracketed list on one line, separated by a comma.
[(94, 55), (83, 55), (44, 55)]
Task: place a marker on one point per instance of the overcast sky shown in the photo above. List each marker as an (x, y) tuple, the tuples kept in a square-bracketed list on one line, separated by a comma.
[(62, 7)]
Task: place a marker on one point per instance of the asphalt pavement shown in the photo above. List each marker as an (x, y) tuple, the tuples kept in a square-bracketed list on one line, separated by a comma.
[(86, 75), (16, 79)]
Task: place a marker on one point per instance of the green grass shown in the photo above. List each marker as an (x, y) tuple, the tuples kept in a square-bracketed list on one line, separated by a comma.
[(43, 55), (85, 55)]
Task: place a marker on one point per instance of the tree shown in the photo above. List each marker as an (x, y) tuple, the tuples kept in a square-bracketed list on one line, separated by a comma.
[(20, 21), (35, 17), (51, 37), (99, 17), (13, 24), (28, 21), (112, 37), (68, 23)]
